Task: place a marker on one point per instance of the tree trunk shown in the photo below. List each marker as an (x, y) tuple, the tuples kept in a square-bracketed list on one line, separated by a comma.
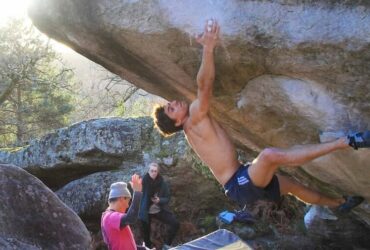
[(19, 116)]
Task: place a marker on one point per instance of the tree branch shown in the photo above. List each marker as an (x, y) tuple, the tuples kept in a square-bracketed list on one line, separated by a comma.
[(8, 90)]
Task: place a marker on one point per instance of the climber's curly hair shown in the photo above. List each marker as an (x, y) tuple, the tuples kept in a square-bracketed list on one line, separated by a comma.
[(163, 123)]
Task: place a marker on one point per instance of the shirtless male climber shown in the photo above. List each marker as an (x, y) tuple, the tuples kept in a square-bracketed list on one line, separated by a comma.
[(257, 180)]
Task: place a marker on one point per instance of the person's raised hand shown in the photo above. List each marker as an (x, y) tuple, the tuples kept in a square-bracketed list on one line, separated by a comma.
[(136, 183), (210, 37)]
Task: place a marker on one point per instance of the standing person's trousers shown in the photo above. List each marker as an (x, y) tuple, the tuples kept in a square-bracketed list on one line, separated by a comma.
[(165, 217)]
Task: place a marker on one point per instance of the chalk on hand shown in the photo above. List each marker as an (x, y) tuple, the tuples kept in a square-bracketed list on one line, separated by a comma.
[(209, 25)]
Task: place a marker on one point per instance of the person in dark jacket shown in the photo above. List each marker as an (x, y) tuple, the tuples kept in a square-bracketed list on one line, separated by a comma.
[(154, 204)]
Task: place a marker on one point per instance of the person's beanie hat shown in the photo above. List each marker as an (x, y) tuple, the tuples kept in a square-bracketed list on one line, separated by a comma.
[(119, 189)]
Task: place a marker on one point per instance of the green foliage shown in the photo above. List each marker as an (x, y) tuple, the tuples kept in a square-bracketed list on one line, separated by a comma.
[(120, 110), (37, 91), (208, 223), (163, 153), (12, 150)]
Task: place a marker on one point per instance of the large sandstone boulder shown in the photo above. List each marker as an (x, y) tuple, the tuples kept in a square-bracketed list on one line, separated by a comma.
[(83, 148), (32, 216), (88, 196), (285, 69), (95, 145)]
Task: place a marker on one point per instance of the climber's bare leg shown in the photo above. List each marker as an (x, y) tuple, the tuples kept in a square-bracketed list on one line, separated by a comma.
[(289, 186), (265, 165)]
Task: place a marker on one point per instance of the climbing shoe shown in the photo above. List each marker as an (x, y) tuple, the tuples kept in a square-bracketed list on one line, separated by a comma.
[(350, 203), (359, 140)]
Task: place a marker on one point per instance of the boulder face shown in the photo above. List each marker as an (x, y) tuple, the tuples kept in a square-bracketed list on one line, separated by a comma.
[(85, 147), (32, 216), (88, 196), (285, 69)]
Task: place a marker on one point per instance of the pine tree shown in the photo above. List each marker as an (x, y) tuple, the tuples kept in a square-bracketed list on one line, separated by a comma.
[(36, 90)]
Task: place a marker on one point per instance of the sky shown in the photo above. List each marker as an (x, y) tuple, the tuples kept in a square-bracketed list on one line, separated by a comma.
[(12, 8), (18, 9)]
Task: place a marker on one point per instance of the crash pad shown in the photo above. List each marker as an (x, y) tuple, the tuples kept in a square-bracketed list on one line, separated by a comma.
[(220, 239)]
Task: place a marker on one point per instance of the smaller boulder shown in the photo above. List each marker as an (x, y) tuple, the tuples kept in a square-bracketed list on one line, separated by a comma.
[(32, 216)]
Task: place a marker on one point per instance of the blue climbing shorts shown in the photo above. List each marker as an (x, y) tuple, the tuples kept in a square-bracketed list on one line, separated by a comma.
[(241, 189)]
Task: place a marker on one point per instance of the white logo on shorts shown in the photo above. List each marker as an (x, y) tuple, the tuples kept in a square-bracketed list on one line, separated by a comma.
[(242, 180)]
